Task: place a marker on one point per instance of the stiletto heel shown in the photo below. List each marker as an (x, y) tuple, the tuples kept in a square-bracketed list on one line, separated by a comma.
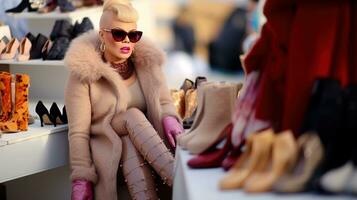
[(41, 119), (56, 114), (43, 114), (64, 115)]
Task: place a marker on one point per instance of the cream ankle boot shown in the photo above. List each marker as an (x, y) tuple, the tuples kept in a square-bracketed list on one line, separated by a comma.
[(218, 107)]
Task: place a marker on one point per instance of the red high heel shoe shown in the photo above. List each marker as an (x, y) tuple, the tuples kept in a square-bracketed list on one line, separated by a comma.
[(232, 157), (213, 158)]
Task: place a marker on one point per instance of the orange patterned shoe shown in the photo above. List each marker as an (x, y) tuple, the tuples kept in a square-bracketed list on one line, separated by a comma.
[(19, 119), (5, 91)]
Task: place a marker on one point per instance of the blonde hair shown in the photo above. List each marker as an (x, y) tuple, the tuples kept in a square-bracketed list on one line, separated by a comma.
[(122, 9)]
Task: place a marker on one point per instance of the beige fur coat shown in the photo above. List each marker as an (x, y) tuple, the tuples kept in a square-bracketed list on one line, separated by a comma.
[(94, 94)]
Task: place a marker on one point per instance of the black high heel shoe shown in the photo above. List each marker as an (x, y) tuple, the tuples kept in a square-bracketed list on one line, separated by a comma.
[(80, 28), (31, 7), (44, 115), (19, 8), (64, 115), (37, 46), (57, 116)]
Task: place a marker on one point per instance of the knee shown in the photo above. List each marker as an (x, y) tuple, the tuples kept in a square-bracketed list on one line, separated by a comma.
[(134, 113)]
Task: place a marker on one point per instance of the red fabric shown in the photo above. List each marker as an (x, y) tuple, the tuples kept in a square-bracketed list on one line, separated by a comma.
[(303, 40), (353, 44)]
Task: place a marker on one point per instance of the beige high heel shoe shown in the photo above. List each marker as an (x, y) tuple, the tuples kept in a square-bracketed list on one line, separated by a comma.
[(254, 158), (310, 156), (10, 50), (24, 49), (283, 158)]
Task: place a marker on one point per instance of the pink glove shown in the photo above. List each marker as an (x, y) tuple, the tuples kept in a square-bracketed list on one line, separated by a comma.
[(172, 128), (82, 190)]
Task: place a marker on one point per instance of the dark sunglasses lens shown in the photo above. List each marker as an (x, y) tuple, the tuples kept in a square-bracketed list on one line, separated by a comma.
[(118, 35), (135, 36)]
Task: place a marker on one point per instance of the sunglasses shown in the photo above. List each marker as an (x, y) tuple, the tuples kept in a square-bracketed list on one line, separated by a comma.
[(120, 35)]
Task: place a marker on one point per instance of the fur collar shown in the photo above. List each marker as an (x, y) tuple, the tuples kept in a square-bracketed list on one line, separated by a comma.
[(83, 58)]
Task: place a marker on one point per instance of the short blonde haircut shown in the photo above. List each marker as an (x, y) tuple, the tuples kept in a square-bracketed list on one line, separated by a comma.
[(122, 9)]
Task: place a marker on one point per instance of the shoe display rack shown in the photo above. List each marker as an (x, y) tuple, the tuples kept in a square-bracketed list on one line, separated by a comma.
[(198, 184), (43, 23), (45, 149), (40, 149)]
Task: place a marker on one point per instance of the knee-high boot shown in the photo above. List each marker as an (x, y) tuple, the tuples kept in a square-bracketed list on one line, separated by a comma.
[(147, 142), (137, 174)]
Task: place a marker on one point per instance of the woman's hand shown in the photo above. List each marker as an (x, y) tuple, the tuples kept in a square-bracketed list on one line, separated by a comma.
[(172, 128), (82, 190)]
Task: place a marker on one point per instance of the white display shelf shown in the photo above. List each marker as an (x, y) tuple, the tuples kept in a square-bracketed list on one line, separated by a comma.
[(36, 150), (35, 130), (35, 62), (85, 11), (198, 184)]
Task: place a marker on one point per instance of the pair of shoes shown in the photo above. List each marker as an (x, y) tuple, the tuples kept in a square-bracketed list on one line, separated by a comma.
[(266, 158), (43, 47), (191, 101), (214, 157), (185, 99), (38, 45), (53, 116), (62, 34), (13, 47), (82, 27), (14, 120), (64, 28), (332, 115), (214, 111), (31, 7), (343, 177)]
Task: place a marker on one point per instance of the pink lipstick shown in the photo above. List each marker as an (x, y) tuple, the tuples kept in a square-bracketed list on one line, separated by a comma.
[(125, 50)]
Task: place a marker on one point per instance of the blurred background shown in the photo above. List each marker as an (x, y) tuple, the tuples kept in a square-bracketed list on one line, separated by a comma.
[(201, 37)]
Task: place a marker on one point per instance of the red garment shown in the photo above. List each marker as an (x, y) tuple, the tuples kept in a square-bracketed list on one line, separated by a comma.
[(353, 44), (303, 40)]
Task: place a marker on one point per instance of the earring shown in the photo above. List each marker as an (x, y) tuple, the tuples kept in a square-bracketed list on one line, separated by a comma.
[(102, 47)]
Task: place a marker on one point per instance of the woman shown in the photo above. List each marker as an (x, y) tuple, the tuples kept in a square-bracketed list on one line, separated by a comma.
[(119, 108)]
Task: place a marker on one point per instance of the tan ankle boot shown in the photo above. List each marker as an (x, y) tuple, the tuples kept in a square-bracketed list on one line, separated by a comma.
[(190, 103), (254, 158), (19, 119), (184, 138), (178, 98), (5, 90), (282, 158), (218, 107), (137, 174)]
